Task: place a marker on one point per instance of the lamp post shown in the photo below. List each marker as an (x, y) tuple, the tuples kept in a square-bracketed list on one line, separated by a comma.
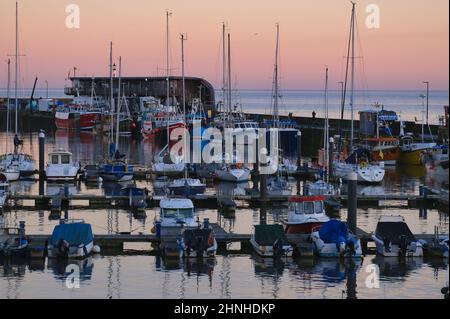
[(427, 86)]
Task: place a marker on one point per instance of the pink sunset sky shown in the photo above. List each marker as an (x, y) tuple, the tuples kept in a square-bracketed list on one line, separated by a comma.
[(410, 46)]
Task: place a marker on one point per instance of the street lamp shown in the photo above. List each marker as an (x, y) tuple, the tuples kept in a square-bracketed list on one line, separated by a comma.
[(427, 85), (423, 111)]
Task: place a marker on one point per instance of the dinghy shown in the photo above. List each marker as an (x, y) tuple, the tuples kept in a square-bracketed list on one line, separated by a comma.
[(270, 241), (233, 173), (71, 239), (334, 240), (393, 238)]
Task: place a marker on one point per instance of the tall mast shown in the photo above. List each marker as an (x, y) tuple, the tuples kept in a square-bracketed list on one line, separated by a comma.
[(167, 72), (118, 104), (224, 65), (185, 152), (111, 97), (275, 101), (325, 133), (352, 76), (16, 68), (8, 102), (229, 77)]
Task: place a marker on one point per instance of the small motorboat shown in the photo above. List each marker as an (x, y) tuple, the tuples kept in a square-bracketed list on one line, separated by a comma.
[(233, 173), (320, 187), (176, 215), (136, 197), (393, 238), (279, 186), (26, 163), (60, 166), (306, 213), (187, 187), (334, 240), (4, 190), (13, 241), (438, 247), (91, 173), (116, 171), (271, 241), (71, 239), (198, 242)]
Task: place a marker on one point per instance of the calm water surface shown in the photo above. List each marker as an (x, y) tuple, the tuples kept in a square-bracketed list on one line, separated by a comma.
[(136, 274)]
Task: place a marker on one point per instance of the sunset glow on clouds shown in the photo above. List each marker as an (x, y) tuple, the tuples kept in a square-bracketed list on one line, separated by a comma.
[(410, 46)]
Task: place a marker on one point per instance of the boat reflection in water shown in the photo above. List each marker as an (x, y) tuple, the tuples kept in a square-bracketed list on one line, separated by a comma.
[(396, 268), (63, 268), (191, 266)]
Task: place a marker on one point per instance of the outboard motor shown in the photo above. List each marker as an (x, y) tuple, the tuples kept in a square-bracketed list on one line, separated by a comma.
[(387, 244), (63, 248), (403, 245), (277, 248)]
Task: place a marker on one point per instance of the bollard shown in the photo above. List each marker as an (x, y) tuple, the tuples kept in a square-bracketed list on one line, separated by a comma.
[(299, 150), (330, 159), (255, 173), (41, 155), (352, 201)]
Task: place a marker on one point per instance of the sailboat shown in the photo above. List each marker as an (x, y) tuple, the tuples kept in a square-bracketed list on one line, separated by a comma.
[(231, 172), (186, 186), (323, 186), (117, 170), (11, 162), (163, 162), (279, 185), (4, 190), (357, 161)]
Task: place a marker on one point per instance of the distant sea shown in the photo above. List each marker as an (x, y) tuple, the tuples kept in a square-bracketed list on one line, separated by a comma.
[(406, 103)]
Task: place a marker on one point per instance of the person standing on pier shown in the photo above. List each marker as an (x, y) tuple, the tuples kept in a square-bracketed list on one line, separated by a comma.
[(17, 143)]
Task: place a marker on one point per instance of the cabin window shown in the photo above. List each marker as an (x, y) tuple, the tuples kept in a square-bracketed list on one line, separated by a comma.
[(171, 213), (318, 207), (298, 208), (185, 213), (308, 207), (65, 159), (55, 159)]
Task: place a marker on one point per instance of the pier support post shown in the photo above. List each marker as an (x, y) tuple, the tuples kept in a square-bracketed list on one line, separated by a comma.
[(299, 150), (330, 159), (41, 155), (255, 173), (352, 201), (263, 198)]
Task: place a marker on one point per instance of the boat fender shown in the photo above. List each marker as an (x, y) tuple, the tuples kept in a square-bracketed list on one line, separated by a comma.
[(96, 249)]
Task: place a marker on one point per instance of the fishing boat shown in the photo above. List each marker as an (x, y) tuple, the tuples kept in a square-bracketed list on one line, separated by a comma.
[(411, 151), (199, 242), (4, 191), (334, 240), (60, 166), (71, 239), (13, 241), (305, 213), (77, 117), (393, 238), (270, 241), (383, 149)]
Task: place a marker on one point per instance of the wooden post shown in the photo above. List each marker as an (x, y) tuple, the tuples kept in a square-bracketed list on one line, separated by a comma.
[(352, 201)]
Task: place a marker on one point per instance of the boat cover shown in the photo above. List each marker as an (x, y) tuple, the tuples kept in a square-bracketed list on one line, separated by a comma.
[(266, 235), (334, 231), (74, 233), (392, 231), (197, 239)]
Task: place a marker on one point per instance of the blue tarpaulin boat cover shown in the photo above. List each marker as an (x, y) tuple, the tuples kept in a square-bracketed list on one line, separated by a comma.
[(74, 233), (334, 231)]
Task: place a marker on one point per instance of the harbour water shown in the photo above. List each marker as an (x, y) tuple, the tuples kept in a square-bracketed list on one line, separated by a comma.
[(135, 273), (406, 103)]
